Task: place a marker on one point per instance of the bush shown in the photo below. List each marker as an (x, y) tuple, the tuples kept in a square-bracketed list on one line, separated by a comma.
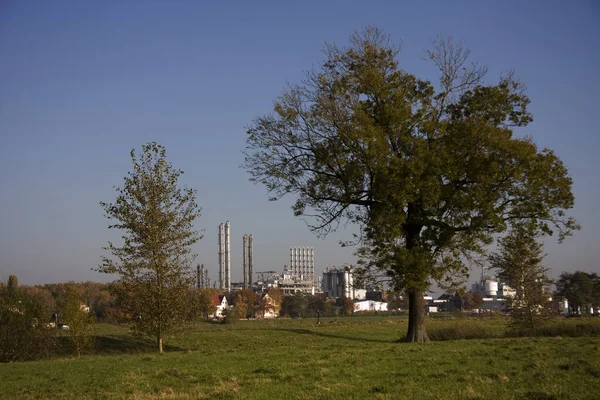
[(24, 332), (230, 316)]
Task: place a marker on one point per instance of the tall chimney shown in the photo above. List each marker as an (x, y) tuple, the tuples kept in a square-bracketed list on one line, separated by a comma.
[(221, 256), (227, 256), (245, 259), (250, 266)]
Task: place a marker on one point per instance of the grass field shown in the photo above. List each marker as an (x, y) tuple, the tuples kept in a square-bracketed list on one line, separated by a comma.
[(346, 358)]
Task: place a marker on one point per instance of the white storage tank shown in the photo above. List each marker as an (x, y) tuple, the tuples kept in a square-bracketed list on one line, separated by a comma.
[(491, 288)]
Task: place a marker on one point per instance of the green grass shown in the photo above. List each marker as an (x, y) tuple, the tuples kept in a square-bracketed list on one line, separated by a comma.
[(346, 358)]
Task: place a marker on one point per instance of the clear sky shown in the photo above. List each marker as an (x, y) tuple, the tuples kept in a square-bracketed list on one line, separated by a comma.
[(81, 83)]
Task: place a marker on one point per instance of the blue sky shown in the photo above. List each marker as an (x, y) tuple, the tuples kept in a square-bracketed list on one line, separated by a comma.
[(82, 83)]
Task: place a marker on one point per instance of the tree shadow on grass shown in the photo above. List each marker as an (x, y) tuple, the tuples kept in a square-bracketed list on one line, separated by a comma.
[(108, 345), (329, 335)]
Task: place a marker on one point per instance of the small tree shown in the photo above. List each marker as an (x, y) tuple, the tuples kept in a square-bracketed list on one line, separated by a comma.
[(472, 301), (245, 302), (295, 305), (347, 306), (156, 217), (318, 305), (80, 321), (201, 303), (519, 262)]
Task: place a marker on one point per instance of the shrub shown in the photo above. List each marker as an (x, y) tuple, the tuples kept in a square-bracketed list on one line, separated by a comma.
[(24, 332), (230, 316)]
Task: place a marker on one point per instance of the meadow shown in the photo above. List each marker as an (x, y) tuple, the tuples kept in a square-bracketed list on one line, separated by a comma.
[(341, 358)]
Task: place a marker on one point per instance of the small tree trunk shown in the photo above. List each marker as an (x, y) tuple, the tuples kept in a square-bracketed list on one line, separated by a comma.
[(416, 317), (160, 346)]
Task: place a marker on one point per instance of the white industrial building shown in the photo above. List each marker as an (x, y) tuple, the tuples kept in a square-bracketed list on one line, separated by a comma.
[(339, 282), (490, 288), (370, 305), (302, 263), (298, 275)]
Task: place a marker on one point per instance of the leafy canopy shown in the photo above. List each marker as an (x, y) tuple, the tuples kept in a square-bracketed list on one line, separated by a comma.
[(156, 218), (430, 172)]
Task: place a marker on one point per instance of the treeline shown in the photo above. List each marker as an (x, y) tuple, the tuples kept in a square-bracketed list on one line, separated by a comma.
[(581, 290), (104, 300), (247, 304)]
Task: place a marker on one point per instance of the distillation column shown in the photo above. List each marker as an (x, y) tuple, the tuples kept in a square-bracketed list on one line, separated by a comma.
[(227, 256), (221, 257)]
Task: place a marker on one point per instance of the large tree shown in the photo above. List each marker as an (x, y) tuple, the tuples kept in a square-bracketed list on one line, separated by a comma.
[(156, 217), (430, 172)]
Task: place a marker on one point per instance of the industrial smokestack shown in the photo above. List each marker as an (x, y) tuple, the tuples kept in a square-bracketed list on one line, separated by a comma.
[(250, 266), (198, 276), (227, 256), (245, 259), (203, 276), (221, 256)]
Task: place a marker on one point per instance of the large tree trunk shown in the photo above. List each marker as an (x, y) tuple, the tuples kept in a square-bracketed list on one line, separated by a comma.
[(160, 347), (416, 305), (416, 317)]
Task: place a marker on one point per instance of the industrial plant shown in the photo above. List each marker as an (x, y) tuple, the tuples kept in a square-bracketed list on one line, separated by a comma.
[(298, 275)]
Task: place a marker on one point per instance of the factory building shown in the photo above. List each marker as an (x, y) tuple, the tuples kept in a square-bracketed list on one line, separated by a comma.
[(489, 287), (339, 282), (298, 276), (302, 263)]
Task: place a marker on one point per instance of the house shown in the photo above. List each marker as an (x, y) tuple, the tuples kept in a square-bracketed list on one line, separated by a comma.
[(270, 308), (220, 302)]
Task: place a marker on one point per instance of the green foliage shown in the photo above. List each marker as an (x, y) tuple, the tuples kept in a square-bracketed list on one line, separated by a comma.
[(245, 303), (201, 305), (429, 172), (581, 289), (347, 306), (230, 316), (24, 331), (519, 261), (156, 218), (472, 301), (294, 306), (396, 301), (13, 283), (72, 311), (317, 304)]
